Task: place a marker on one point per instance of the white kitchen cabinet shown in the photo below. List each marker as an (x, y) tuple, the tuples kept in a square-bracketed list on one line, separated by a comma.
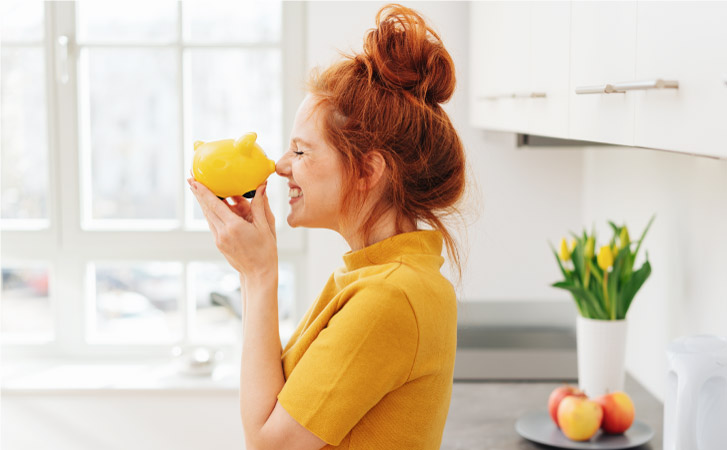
[(686, 42), (500, 51), (646, 74), (519, 62), (549, 65), (603, 52)]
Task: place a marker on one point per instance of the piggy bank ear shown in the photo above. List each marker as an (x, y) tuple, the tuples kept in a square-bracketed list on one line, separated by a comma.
[(197, 144), (245, 142)]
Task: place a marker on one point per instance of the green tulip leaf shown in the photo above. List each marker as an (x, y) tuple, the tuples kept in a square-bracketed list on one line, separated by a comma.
[(616, 228), (641, 239), (632, 286), (589, 301)]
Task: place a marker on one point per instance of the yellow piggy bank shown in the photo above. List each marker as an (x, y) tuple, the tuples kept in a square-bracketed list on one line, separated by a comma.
[(231, 167)]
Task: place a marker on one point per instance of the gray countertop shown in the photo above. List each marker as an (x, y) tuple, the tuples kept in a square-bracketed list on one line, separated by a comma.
[(482, 415)]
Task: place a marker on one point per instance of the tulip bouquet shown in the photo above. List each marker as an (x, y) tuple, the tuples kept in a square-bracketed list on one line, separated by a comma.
[(604, 284)]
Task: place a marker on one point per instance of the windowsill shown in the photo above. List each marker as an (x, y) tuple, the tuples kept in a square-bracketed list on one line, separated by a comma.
[(79, 376), (58, 375)]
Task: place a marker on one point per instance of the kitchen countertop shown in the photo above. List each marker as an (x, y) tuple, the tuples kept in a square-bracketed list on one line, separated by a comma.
[(482, 415)]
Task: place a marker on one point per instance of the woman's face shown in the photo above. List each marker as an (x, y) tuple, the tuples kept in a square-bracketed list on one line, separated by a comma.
[(314, 172)]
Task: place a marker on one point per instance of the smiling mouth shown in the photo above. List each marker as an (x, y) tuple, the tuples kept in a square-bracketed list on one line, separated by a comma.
[(295, 193)]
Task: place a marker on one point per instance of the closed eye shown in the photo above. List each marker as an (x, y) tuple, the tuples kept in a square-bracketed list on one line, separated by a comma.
[(297, 153)]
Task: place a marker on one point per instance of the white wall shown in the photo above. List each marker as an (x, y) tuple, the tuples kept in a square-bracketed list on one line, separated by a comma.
[(521, 198), (687, 243)]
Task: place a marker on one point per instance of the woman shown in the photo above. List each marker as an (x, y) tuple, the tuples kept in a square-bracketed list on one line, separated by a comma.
[(372, 156)]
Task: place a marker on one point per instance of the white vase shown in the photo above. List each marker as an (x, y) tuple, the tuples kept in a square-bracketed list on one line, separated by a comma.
[(601, 347)]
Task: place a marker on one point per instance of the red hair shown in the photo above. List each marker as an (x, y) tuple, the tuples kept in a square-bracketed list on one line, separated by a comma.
[(387, 99)]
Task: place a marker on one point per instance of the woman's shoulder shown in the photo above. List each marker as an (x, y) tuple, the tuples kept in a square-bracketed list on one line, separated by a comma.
[(419, 285)]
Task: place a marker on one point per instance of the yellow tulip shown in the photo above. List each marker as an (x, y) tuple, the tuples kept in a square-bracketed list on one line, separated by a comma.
[(590, 247), (605, 257), (572, 245), (564, 253)]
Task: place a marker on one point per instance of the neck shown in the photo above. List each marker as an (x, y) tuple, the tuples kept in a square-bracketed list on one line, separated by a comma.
[(383, 229)]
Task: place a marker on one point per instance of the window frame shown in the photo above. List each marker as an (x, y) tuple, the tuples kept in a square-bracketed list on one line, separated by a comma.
[(68, 248)]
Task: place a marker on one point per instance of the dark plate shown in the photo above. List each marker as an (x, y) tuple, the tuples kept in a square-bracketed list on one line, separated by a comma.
[(537, 426)]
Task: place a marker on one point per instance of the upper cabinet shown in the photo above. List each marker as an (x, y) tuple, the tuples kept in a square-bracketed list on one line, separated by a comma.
[(686, 42), (503, 71), (603, 52), (519, 66), (549, 52), (648, 74)]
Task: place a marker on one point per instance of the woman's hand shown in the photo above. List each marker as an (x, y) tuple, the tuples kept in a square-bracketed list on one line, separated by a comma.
[(244, 232)]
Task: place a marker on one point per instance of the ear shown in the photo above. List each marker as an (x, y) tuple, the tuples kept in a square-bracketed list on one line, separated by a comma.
[(244, 143), (375, 167)]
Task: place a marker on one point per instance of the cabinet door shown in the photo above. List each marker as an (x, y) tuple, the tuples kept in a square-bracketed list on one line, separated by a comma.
[(549, 66), (603, 51), (500, 50), (686, 42)]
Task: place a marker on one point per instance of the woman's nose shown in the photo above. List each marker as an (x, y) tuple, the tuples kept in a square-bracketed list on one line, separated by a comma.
[(282, 167)]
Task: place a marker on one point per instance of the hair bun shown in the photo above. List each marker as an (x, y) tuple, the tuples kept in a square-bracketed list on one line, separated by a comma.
[(402, 52)]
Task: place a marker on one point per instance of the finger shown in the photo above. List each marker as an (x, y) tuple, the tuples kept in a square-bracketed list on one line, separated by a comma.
[(210, 224), (242, 207), (208, 201), (269, 216), (258, 206), (222, 215)]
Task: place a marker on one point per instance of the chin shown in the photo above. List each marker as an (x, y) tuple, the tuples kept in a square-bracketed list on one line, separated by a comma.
[(294, 222)]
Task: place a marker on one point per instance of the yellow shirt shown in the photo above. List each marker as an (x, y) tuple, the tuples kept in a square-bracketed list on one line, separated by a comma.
[(371, 364)]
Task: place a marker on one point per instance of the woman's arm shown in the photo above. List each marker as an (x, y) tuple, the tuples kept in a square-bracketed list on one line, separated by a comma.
[(261, 370), (245, 234), (266, 424)]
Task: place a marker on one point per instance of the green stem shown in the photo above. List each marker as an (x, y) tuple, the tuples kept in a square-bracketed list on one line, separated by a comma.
[(588, 275), (605, 292)]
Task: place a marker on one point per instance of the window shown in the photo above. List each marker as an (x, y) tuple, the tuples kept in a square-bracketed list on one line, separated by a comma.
[(104, 250)]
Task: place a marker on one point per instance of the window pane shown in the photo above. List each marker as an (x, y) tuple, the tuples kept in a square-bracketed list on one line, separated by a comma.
[(216, 288), (286, 299), (24, 134), (230, 92), (21, 20), (127, 21), (133, 106), (26, 312), (136, 303), (239, 21), (218, 304)]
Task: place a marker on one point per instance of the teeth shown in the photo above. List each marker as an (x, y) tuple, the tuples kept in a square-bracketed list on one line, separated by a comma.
[(294, 192)]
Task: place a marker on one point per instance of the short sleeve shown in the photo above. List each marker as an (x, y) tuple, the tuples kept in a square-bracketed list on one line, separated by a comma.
[(366, 351)]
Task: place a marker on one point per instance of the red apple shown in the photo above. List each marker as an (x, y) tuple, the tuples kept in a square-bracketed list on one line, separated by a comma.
[(557, 396), (618, 412), (579, 418)]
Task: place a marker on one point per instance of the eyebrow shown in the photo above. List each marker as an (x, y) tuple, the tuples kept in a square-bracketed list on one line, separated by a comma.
[(302, 142)]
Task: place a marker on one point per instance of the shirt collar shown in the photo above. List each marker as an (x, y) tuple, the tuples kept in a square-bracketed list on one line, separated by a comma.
[(428, 242)]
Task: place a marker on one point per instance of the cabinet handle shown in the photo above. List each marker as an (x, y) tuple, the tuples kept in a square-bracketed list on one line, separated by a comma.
[(657, 83), (513, 95), (599, 89)]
